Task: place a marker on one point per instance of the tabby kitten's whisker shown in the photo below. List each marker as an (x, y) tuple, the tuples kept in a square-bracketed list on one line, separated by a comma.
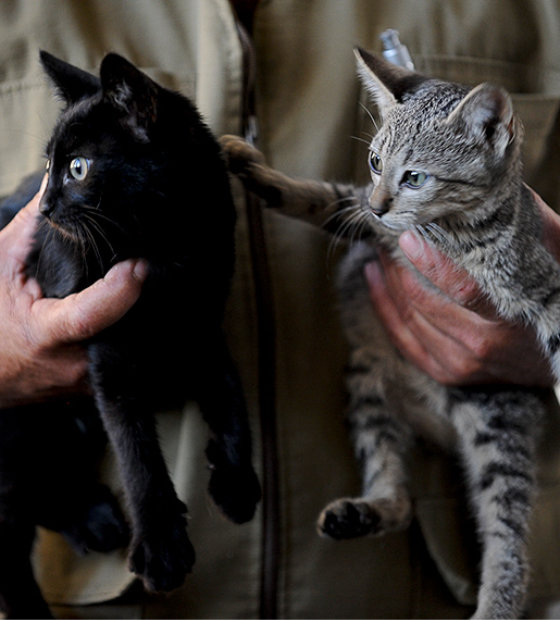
[(448, 156), (371, 117)]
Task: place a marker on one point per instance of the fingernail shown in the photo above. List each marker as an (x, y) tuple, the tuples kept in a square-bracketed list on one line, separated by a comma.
[(373, 273), (140, 270), (411, 245)]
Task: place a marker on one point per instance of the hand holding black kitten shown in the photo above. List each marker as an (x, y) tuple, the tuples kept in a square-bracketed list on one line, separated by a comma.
[(41, 355)]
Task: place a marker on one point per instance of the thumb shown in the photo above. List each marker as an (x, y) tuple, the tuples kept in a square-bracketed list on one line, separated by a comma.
[(454, 282), (18, 234), (85, 314)]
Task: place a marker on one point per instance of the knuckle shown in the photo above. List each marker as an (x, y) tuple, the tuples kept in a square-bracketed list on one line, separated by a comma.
[(480, 346), (461, 370), (468, 295)]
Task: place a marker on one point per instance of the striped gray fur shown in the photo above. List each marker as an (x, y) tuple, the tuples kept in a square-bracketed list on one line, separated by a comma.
[(474, 207)]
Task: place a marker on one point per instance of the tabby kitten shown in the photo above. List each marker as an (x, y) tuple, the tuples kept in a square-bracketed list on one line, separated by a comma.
[(132, 172), (445, 164)]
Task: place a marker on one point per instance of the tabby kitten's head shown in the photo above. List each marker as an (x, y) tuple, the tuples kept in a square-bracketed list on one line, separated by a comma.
[(441, 150)]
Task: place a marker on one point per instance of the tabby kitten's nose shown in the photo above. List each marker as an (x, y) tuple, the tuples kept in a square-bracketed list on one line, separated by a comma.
[(380, 203)]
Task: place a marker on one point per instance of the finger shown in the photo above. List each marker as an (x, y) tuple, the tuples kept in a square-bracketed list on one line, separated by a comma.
[(551, 226), (398, 327), (447, 329), (452, 344), (84, 314), (18, 234), (454, 282)]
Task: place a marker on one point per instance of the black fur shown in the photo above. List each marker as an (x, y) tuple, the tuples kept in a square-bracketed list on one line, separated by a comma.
[(155, 187)]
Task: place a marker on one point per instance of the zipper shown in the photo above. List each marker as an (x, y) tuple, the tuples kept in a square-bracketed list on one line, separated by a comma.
[(266, 342)]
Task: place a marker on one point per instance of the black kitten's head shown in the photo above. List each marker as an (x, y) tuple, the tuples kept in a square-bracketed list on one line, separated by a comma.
[(123, 156)]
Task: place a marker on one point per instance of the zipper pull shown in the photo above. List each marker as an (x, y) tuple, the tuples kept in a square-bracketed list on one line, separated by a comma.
[(394, 51)]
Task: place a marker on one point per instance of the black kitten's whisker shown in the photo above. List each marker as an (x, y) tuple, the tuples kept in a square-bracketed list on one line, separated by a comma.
[(92, 244), (93, 213), (42, 224), (101, 233)]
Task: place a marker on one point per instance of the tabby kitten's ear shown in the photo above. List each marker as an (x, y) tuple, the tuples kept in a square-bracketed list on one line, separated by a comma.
[(487, 114), (131, 93), (72, 84), (386, 82)]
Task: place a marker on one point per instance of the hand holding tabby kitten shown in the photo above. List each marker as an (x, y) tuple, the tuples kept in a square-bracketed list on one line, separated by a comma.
[(463, 340)]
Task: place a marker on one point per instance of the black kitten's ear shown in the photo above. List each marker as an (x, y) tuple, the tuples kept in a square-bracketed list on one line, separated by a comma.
[(132, 93), (386, 82), (71, 83), (487, 113)]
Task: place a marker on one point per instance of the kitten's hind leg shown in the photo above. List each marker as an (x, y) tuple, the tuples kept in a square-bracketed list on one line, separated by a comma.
[(233, 485), (497, 434), (160, 551)]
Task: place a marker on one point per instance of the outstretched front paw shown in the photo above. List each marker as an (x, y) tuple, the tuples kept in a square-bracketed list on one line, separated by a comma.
[(239, 154), (163, 556)]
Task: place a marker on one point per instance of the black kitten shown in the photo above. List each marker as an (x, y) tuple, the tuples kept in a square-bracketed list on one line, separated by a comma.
[(133, 172)]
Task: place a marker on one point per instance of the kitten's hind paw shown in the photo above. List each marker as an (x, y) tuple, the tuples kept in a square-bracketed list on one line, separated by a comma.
[(163, 557), (239, 154), (352, 518), (236, 491)]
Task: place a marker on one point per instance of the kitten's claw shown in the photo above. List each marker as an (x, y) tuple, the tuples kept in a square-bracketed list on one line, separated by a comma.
[(352, 518), (163, 557), (239, 154)]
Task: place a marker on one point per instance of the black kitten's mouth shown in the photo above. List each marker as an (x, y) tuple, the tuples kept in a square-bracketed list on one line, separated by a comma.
[(67, 232)]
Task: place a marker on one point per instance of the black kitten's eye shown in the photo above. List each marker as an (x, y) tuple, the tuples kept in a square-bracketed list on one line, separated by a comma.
[(375, 162), (79, 167), (414, 179), (48, 165)]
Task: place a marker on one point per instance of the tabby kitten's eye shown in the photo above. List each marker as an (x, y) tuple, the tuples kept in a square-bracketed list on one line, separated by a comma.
[(375, 162), (79, 167), (414, 179)]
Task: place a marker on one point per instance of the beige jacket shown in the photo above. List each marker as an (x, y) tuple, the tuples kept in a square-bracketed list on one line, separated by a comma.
[(282, 319)]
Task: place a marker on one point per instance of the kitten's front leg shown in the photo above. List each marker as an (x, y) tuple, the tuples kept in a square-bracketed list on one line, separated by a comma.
[(160, 551), (497, 434), (381, 440), (326, 205)]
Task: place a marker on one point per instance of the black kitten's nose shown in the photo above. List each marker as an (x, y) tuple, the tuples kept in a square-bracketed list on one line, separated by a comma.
[(45, 207)]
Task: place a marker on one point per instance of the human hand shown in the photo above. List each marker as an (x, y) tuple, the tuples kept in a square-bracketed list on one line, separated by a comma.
[(456, 337), (40, 354)]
